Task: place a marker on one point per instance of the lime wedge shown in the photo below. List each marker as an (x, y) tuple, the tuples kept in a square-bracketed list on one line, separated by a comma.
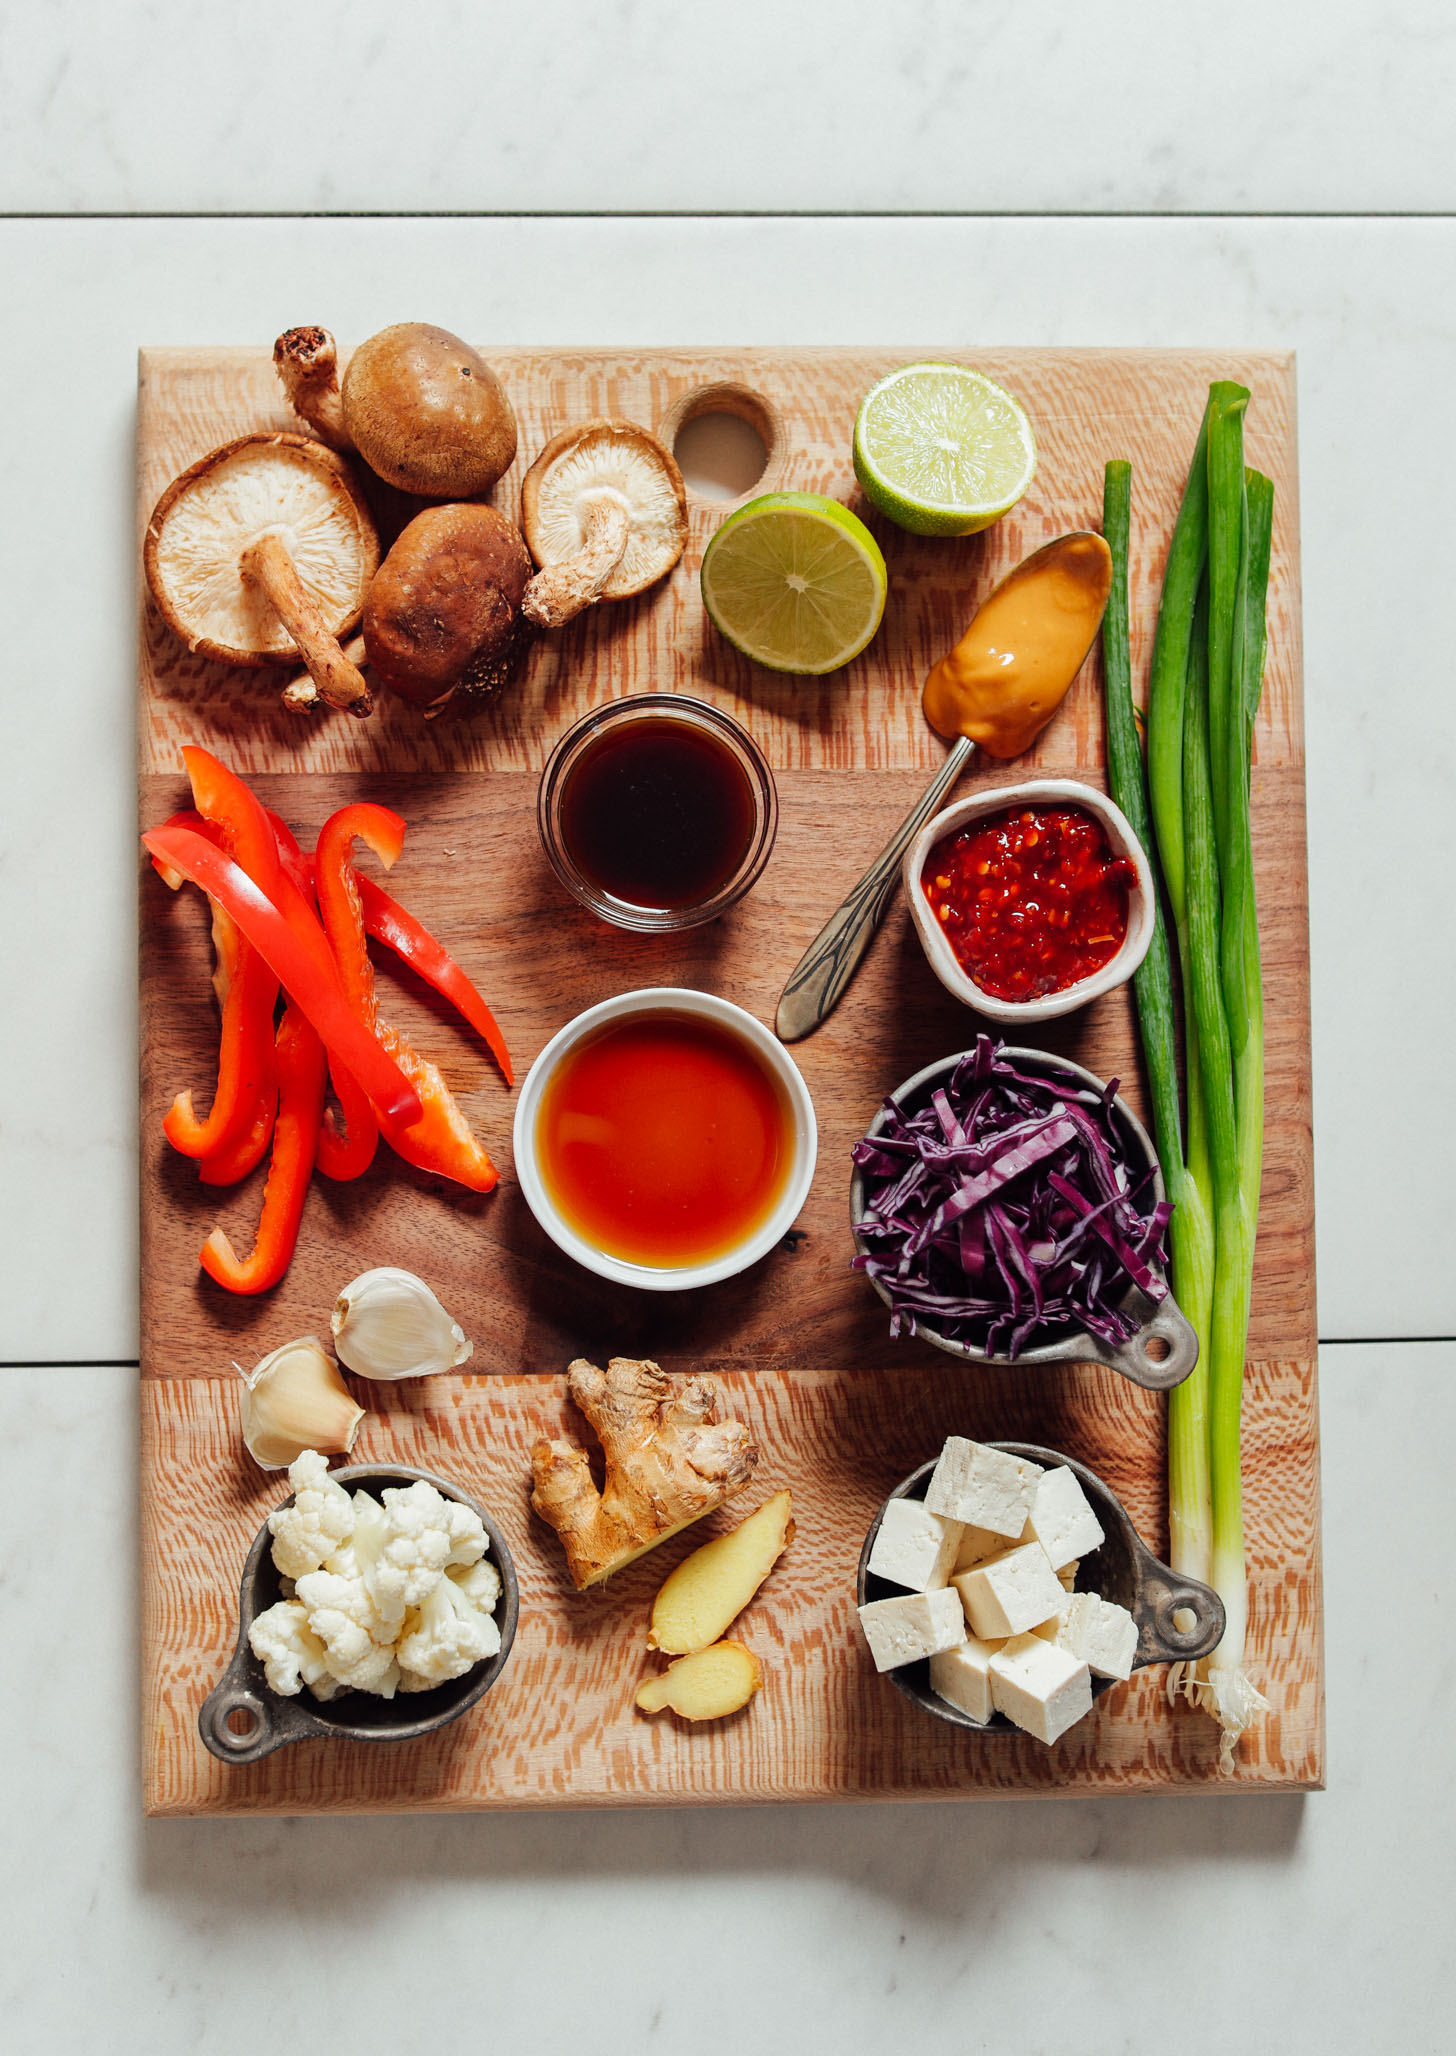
[(795, 581), (941, 450)]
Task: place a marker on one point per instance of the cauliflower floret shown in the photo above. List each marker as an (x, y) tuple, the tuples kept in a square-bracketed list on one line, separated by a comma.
[(358, 1647), (480, 1582), (290, 1652), (405, 1547), (321, 1517), (444, 1638)]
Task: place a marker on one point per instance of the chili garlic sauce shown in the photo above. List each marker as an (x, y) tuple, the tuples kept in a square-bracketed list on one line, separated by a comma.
[(1011, 670), (664, 1140), (1032, 899)]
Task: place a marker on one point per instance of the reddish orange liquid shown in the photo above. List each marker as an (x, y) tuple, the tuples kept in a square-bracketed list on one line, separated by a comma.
[(663, 1140)]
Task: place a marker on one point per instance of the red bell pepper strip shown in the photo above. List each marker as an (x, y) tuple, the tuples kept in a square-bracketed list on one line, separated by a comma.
[(389, 922), (347, 1155), (294, 957), (301, 1070), (440, 1138), (247, 993), (235, 1162)]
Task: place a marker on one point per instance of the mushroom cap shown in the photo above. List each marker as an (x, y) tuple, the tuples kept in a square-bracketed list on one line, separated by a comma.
[(427, 413), (289, 485), (620, 457), (444, 613)]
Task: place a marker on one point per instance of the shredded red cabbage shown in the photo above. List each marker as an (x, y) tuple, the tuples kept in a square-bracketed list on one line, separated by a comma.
[(1003, 1212)]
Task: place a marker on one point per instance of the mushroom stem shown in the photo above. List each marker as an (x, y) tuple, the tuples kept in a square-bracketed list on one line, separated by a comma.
[(302, 696), (308, 364), (563, 589), (266, 561)]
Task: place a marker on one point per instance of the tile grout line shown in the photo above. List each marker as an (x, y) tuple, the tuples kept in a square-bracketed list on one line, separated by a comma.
[(728, 214)]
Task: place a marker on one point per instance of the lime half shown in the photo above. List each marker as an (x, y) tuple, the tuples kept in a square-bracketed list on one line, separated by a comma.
[(795, 581), (942, 450)]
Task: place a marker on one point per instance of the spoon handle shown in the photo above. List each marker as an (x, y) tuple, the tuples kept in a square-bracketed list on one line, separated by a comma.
[(818, 980)]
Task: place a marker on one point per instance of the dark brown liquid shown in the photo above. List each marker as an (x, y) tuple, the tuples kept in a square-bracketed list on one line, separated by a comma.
[(657, 814)]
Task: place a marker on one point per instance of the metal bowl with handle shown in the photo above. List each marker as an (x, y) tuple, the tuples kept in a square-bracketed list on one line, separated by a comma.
[(1123, 1570), (266, 1720), (1164, 1348)]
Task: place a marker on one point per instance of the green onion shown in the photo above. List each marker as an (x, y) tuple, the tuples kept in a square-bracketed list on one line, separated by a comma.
[(1191, 1229), (1203, 693)]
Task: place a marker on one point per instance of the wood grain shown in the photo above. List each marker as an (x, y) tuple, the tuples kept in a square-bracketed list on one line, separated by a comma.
[(840, 1412)]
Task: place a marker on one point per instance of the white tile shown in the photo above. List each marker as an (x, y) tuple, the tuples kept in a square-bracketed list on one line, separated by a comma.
[(853, 1928), (1371, 308), (172, 105)]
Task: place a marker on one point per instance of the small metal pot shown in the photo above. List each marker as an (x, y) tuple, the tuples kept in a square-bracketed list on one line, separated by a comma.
[(1164, 1348), (1123, 1570), (273, 1720)]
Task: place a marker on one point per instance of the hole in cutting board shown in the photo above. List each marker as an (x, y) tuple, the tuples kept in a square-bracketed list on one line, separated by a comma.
[(721, 456), (728, 440)]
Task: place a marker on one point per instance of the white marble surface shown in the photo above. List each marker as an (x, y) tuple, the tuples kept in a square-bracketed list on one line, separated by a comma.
[(1370, 306), (1316, 1926), (972, 105)]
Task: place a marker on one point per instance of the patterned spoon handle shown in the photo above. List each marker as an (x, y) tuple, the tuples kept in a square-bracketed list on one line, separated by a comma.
[(817, 983)]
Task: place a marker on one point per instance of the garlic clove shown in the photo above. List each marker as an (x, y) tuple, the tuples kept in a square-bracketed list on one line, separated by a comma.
[(388, 1324), (294, 1400)]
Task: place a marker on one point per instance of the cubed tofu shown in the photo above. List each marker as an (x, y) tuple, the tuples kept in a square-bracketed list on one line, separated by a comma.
[(1051, 1630), (914, 1547), (1010, 1594), (976, 1544), (983, 1487), (1100, 1634), (962, 1676), (1042, 1687), (1066, 1574), (914, 1625), (1061, 1518)]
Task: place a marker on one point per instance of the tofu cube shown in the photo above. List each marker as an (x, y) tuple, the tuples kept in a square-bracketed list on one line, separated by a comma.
[(1011, 1593), (1100, 1634), (976, 1545), (1042, 1687), (914, 1547), (962, 1677), (915, 1625), (983, 1487), (1067, 1574), (1061, 1518)]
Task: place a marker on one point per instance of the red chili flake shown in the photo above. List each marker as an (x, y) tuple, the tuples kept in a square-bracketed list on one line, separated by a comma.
[(1053, 909)]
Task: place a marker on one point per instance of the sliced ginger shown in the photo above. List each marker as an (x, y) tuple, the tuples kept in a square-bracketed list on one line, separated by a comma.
[(706, 1685), (710, 1588)]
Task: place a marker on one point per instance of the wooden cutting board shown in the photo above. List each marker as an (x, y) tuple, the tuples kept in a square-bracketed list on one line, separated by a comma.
[(839, 1412)]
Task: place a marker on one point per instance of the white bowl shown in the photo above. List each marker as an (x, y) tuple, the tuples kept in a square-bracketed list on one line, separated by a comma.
[(1034, 792), (667, 999)]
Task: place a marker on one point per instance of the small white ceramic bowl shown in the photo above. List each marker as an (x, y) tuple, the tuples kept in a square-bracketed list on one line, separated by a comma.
[(667, 999), (1034, 792)]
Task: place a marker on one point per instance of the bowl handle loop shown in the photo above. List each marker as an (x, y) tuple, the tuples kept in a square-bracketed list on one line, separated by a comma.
[(1180, 1620), (1160, 1355), (261, 1727)]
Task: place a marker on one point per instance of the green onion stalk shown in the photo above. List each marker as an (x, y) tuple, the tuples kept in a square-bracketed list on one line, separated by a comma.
[(1203, 693), (1185, 1176)]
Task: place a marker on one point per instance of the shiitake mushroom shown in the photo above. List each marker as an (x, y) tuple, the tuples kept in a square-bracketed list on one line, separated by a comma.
[(443, 623), (424, 410)]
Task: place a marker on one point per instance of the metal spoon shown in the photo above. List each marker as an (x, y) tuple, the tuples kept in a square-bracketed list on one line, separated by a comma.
[(817, 982)]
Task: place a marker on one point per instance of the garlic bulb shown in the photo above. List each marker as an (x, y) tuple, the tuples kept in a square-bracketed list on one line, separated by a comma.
[(296, 1400), (388, 1324)]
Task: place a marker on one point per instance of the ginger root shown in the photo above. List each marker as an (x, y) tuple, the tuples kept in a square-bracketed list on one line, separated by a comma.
[(710, 1588), (706, 1685), (669, 1461)]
